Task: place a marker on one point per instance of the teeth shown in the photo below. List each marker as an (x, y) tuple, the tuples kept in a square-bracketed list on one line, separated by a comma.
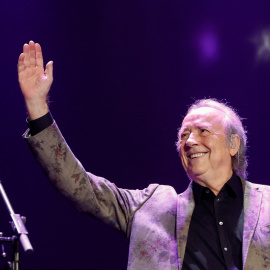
[(197, 155)]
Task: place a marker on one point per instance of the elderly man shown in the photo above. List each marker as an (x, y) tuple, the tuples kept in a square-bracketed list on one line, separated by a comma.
[(220, 222)]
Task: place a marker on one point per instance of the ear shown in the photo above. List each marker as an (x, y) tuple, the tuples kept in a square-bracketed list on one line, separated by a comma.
[(234, 144)]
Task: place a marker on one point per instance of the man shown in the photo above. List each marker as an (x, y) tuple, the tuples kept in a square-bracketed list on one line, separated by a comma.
[(220, 222)]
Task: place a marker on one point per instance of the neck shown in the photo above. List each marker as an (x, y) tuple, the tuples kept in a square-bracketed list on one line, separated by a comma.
[(214, 183)]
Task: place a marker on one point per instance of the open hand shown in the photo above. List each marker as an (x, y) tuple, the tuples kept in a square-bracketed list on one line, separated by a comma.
[(35, 82)]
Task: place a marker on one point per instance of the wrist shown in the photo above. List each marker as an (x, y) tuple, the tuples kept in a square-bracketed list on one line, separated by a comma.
[(36, 109)]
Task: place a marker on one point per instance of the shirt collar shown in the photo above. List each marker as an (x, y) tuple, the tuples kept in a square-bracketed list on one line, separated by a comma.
[(233, 187)]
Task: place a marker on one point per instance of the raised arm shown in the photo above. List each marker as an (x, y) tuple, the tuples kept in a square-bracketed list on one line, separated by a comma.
[(89, 193), (35, 82)]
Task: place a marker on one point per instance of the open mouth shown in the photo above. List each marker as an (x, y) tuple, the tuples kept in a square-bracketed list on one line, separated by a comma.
[(196, 155)]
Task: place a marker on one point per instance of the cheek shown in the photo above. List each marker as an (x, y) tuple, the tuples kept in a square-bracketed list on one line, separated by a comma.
[(219, 148), (181, 149), (182, 155), (214, 142)]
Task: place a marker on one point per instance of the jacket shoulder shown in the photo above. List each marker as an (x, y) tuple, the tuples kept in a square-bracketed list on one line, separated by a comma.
[(259, 187)]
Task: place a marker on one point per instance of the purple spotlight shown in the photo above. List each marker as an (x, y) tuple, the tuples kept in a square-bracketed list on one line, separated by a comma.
[(207, 45)]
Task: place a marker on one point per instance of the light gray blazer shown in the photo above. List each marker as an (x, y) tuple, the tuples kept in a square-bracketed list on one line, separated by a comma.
[(156, 220)]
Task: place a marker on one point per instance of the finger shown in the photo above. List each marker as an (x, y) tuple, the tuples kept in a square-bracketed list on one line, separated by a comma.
[(26, 54), (49, 69), (39, 57), (21, 65), (32, 53)]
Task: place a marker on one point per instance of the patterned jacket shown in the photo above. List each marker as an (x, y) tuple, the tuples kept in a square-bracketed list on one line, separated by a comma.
[(156, 220)]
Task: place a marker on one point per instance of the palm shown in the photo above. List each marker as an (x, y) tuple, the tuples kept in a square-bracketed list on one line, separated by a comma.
[(31, 80)]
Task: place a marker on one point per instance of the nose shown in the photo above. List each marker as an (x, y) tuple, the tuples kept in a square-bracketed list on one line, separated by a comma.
[(191, 141)]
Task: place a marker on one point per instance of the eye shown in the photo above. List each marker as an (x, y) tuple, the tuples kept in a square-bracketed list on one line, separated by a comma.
[(184, 135), (204, 131)]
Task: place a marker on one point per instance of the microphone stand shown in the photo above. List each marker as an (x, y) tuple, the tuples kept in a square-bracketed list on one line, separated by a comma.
[(20, 236)]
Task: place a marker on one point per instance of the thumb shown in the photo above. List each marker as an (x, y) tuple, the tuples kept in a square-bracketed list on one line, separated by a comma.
[(49, 69)]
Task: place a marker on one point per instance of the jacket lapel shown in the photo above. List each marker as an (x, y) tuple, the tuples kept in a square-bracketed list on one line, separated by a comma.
[(185, 209), (252, 206)]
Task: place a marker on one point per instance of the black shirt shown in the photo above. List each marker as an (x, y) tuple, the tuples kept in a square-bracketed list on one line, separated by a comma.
[(216, 228)]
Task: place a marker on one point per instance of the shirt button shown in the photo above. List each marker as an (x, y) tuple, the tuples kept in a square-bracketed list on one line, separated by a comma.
[(225, 249), (220, 223), (218, 200), (207, 191)]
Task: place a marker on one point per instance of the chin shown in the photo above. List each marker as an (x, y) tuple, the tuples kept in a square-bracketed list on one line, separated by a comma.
[(196, 175)]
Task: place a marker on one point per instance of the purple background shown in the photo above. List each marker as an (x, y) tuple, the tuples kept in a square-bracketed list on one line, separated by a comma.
[(124, 73)]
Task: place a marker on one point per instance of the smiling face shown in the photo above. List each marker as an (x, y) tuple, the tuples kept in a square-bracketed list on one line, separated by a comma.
[(203, 149)]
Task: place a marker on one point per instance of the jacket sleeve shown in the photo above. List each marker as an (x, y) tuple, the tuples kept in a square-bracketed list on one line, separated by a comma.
[(89, 193)]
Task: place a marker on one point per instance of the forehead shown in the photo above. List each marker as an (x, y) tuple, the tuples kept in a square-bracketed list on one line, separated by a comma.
[(204, 116)]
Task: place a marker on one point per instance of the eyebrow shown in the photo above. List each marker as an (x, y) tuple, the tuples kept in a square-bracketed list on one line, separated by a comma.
[(199, 126), (181, 130)]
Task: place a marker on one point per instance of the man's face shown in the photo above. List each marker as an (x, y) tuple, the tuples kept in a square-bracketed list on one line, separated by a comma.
[(203, 150)]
